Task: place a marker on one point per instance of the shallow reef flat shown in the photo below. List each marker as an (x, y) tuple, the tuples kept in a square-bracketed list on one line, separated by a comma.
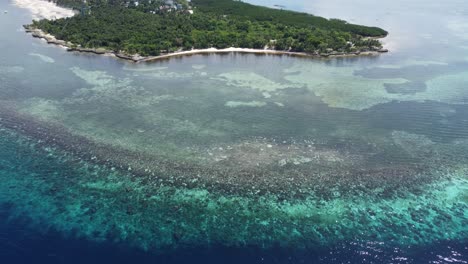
[(58, 191), (237, 131), (349, 88), (161, 158), (289, 169)]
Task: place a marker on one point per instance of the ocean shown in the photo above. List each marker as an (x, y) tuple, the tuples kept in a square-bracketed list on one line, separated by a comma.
[(240, 158)]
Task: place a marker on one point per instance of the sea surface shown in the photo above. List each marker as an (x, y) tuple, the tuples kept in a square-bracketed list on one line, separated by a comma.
[(240, 158)]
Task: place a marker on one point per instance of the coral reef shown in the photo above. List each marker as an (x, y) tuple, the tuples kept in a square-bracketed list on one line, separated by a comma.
[(57, 191)]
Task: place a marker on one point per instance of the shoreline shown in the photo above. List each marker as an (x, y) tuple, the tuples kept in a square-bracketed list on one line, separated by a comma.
[(49, 10), (70, 47)]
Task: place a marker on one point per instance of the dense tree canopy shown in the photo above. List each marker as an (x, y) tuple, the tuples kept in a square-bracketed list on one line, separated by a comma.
[(143, 28), (244, 11)]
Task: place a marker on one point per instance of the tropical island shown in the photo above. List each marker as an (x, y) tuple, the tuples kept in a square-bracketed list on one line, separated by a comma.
[(142, 30)]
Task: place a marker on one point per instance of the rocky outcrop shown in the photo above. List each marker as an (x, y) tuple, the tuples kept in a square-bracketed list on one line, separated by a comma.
[(98, 51), (37, 33), (134, 58)]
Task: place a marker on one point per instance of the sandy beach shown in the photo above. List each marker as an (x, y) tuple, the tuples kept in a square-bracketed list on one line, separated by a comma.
[(254, 51), (227, 50), (42, 9)]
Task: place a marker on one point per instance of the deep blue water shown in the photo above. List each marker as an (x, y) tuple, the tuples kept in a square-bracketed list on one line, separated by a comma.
[(21, 244)]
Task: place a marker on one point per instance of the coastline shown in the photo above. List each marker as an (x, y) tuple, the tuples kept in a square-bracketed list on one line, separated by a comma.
[(50, 39), (41, 9)]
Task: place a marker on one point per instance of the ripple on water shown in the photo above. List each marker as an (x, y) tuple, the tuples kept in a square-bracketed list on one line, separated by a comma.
[(42, 57), (234, 104)]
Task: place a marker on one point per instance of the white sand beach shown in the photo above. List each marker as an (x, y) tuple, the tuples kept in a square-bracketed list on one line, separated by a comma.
[(41, 9), (227, 50), (246, 50)]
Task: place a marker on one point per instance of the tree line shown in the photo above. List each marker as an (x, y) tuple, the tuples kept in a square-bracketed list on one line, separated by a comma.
[(113, 25)]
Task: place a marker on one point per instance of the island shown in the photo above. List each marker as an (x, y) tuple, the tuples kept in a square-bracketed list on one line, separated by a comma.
[(143, 30)]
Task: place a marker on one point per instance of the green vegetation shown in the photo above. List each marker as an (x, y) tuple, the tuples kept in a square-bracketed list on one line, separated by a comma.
[(150, 28), (244, 11)]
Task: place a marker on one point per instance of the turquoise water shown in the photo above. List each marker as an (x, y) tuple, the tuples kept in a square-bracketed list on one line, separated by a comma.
[(240, 151)]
